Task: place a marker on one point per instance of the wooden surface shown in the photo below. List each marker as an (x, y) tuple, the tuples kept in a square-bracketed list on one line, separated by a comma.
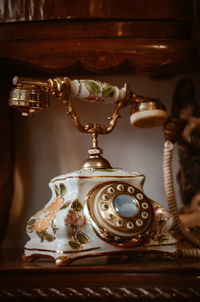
[(103, 278)]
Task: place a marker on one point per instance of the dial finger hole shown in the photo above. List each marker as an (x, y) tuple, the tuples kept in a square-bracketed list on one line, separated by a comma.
[(118, 223), (105, 197), (139, 222), (111, 190), (120, 187), (145, 215), (130, 225), (145, 205), (104, 206), (110, 216), (130, 189), (140, 196)]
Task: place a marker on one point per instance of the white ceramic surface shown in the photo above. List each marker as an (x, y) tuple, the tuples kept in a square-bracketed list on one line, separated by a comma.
[(64, 227)]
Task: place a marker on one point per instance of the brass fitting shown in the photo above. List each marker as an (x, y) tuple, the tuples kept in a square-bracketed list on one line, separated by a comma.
[(30, 95)]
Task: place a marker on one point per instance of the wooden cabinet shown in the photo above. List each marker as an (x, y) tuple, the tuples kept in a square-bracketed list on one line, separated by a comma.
[(49, 37), (144, 37)]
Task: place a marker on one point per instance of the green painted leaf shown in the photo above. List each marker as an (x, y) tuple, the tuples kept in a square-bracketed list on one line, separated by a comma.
[(41, 236), (54, 227), (57, 190), (82, 238), (93, 87), (108, 91), (161, 238), (65, 205), (44, 235), (48, 236), (74, 245), (76, 205), (63, 189), (30, 225)]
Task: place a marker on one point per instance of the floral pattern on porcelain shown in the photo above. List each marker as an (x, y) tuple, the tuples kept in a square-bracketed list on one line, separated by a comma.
[(92, 91), (98, 91), (44, 218), (63, 228), (76, 222)]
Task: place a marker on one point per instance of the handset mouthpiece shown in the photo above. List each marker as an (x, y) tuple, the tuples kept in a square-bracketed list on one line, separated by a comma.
[(147, 112)]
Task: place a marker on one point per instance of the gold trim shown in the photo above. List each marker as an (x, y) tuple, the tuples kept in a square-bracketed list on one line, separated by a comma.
[(98, 176), (146, 104), (66, 261), (62, 252)]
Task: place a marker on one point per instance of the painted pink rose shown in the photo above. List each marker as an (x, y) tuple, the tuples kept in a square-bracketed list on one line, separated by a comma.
[(162, 214), (163, 218), (73, 218)]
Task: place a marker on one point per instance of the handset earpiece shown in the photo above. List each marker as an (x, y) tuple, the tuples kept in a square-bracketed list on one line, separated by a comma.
[(147, 112)]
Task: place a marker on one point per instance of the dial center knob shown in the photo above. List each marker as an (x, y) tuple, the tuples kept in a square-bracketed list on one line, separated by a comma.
[(125, 205)]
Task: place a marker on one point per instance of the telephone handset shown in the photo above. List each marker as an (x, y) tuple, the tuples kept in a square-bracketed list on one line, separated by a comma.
[(99, 210)]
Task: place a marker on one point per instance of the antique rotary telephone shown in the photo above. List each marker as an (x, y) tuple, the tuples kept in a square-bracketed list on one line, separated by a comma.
[(99, 210)]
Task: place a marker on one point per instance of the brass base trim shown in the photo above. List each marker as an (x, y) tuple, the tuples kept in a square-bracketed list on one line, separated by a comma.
[(62, 252), (100, 176)]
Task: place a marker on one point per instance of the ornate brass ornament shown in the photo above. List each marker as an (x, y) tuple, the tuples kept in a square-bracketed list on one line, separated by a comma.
[(31, 96)]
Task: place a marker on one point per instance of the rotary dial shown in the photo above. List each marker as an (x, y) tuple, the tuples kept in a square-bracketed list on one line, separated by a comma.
[(119, 211)]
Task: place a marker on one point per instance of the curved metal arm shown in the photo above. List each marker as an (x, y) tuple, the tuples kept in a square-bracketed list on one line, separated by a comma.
[(94, 128)]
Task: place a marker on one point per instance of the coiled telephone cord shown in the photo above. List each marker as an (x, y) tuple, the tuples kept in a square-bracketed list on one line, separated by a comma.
[(171, 199)]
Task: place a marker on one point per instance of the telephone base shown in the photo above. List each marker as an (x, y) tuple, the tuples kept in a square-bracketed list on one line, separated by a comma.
[(64, 259)]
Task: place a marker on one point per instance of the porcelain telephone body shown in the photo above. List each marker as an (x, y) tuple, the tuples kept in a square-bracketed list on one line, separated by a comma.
[(95, 212)]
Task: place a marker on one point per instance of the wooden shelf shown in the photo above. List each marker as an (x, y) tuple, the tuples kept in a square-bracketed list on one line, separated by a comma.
[(99, 278), (141, 37)]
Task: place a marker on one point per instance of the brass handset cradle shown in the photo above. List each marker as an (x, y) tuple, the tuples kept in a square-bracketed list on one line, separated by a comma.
[(96, 160)]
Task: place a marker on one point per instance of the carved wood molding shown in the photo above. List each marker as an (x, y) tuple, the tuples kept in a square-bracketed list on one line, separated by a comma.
[(99, 293), (144, 56)]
